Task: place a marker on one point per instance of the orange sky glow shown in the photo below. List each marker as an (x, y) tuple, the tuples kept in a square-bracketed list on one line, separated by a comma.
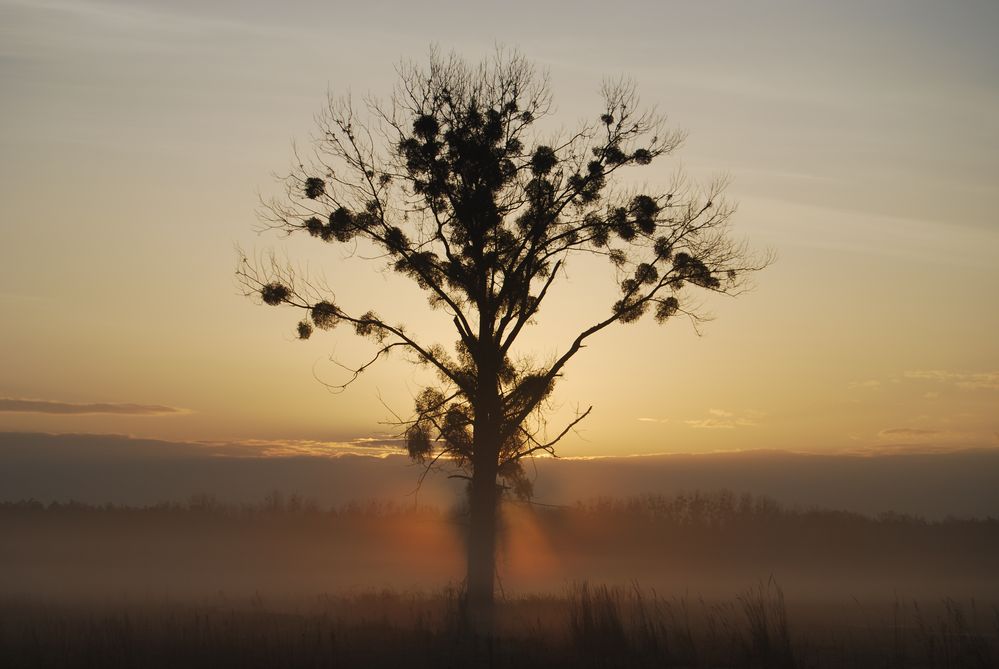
[(861, 143)]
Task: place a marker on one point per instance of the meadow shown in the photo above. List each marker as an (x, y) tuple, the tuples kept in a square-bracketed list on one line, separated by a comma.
[(691, 580)]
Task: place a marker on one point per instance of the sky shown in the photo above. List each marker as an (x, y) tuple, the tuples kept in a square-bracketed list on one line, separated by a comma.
[(861, 140)]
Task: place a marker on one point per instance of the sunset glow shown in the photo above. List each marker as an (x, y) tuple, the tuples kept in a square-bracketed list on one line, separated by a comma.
[(137, 136)]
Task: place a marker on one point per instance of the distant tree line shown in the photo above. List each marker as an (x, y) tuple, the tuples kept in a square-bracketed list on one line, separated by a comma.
[(708, 509)]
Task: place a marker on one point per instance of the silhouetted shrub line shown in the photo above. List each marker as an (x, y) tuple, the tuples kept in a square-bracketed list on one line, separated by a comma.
[(719, 509)]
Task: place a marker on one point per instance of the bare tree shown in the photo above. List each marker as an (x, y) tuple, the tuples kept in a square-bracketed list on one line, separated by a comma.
[(453, 185)]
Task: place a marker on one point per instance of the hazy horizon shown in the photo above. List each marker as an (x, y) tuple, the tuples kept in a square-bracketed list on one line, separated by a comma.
[(98, 469)]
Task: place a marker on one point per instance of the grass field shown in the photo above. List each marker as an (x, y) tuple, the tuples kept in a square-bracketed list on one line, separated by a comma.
[(697, 580), (589, 626)]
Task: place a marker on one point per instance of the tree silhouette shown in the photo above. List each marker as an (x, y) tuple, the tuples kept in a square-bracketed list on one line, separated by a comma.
[(453, 185)]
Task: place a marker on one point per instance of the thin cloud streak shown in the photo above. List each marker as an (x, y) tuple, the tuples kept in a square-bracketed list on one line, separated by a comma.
[(135, 16), (710, 424), (10, 405), (967, 380), (907, 432), (276, 448), (944, 440), (722, 419)]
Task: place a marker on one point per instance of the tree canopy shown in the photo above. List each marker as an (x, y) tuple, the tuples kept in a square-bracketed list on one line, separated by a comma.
[(450, 182)]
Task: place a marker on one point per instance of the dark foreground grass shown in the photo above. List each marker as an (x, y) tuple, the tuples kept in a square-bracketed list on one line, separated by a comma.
[(589, 626)]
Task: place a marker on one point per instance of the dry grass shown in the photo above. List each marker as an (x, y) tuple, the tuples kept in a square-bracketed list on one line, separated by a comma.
[(589, 626)]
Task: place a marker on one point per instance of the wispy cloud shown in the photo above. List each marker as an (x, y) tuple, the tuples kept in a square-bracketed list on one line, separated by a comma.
[(653, 420), (722, 419), (710, 424), (908, 433), (969, 380), (911, 447), (10, 405), (149, 18), (938, 438), (870, 384), (120, 445), (369, 446)]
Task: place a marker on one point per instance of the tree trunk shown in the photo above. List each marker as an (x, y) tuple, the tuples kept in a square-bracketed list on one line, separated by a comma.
[(483, 503), (483, 494)]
